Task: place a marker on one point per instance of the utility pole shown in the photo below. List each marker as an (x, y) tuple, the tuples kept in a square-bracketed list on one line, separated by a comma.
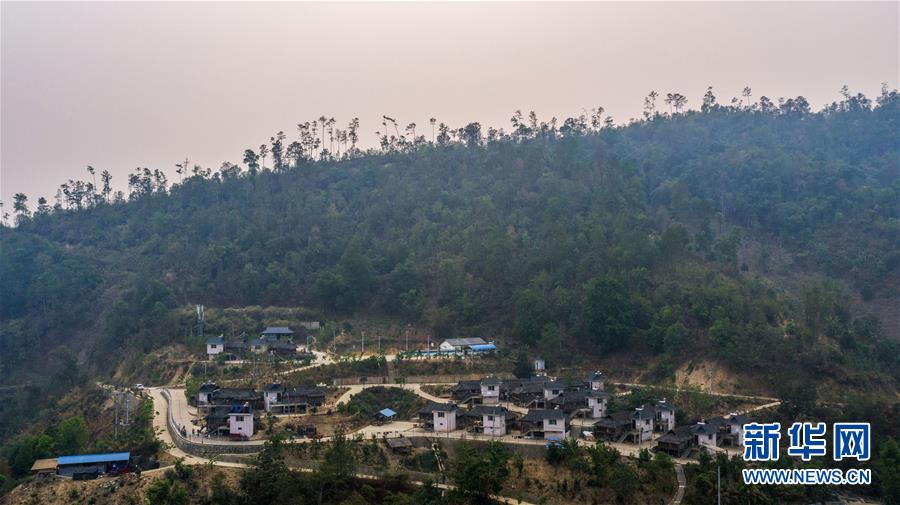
[(379, 344), (116, 400), (407, 338), (362, 347), (127, 409)]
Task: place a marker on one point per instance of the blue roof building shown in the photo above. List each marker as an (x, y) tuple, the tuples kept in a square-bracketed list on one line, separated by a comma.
[(92, 463)]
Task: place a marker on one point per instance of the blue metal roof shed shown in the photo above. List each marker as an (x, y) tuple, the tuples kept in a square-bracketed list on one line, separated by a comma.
[(88, 459), (483, 347), (387, 413)]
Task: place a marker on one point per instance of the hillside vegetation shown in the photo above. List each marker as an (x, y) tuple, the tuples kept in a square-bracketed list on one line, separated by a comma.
[(761, 235)]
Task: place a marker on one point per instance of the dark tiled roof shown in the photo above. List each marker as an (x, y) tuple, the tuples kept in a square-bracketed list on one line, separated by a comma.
[(438, 407), (705, 428), (278, 330), (467, 386), (235, 394), (616, 419), (535, 415), (570, 397), (492, 410), (677, 435), (644, 413), (740, 420), (597, 394), (282, 345), (490, 381), (215, 340), (209, 387), (556, 385), (663, 405)]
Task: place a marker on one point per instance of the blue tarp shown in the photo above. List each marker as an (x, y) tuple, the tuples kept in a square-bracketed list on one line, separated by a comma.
[(483, 347), (87, 459), (388, 413)]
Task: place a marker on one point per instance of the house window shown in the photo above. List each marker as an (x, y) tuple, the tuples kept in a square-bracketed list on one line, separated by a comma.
[(491, 388), (440, 414), (214, 346), (551, 422), (239, 419), (555, 392), (490, 419)]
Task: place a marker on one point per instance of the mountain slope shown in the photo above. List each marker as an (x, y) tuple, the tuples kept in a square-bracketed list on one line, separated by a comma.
[(739, 234)]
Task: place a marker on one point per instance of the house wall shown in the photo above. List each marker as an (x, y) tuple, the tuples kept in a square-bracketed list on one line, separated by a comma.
[(645, 427), (202, 398), (213, 349), (240, 424), (489, 397), (597, 385), (495, 426), (707, 440), (557, 430), (598, 407), (738, 431), (550, 394), (69, 470), (270, 398), (668, 418), (445, 423)]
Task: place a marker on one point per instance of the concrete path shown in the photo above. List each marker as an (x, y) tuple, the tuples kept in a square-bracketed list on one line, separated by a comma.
[(682, 482), (760, 407), (686, 390)]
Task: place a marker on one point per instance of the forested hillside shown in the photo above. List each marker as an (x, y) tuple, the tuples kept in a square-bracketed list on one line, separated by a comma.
[(759, 235)]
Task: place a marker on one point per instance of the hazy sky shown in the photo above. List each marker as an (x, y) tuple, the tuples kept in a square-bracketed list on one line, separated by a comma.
[(121, 85)]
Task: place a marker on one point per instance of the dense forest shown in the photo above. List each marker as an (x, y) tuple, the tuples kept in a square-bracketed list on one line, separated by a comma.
[(760, 234)]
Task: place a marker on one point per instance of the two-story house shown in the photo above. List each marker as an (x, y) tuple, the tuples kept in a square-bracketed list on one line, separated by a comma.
[(494, 419), (282, 399), (545, 423), (490, 390), (706, 434), (595, 381), (597, 401), (664, 416), (439, 417)]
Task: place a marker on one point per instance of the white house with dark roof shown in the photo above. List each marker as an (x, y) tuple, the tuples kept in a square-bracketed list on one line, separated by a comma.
[(597, 402), (240, 420), (493, 419), (553, 389), (439, 417), (553, 423), (215, 345), (706, 434), (664, 416), (490, 391), (642, 423), (282, 399), (734, 428), (595, 381), (204, 392)]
